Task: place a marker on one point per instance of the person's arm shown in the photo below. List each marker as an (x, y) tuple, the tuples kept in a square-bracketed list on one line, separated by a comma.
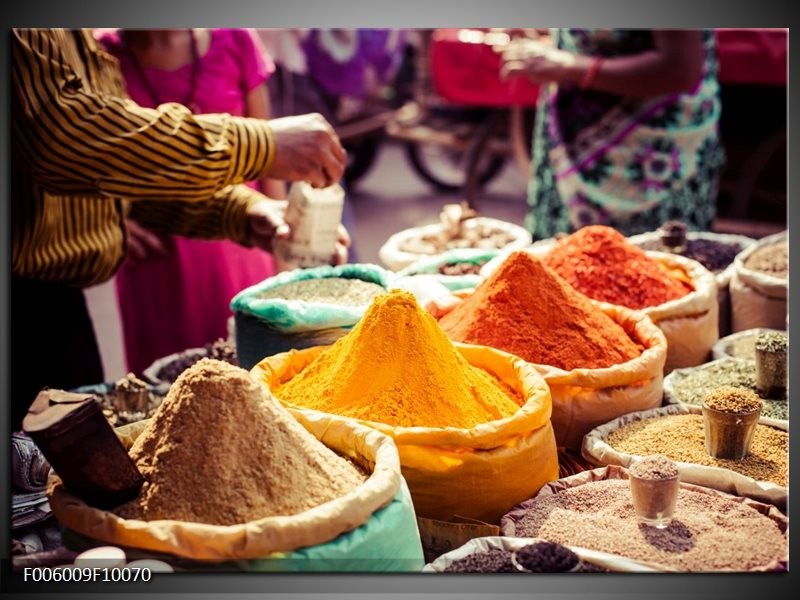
[(257, 67), (80, 140), (239, 213), (674, 65)]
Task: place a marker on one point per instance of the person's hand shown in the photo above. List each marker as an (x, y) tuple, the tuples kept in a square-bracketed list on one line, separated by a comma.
[(267, 225), (266, 222), (144, 244), (342, 247), (538, 61), (307, 149)]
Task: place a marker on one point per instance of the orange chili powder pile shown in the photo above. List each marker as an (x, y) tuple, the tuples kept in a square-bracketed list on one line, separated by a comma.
[(599, 262), (527, 310)]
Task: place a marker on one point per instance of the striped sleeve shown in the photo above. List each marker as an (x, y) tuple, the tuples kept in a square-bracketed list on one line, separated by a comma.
[(108, 144), (223, 217)]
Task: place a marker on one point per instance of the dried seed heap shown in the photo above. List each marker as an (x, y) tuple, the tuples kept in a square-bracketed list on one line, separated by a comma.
[(771, 341), (682, 438), (654, 467), (772, 259), (693, 387), (493, 560), (546, 557), (343, 291), (708, 532), (740, 401), (221, 451)]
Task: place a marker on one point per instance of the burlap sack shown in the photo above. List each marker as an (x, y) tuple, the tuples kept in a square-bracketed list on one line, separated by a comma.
[(586, 398), (598, 451), (724, 348), (477, 473), (263, 537), (758, 299), (396, 259), (690, 323), (508, 524), (612, 562), (652, 241), (671, 396)]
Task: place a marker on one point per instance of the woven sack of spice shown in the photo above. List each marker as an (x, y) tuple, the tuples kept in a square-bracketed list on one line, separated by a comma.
[(455, 269), (759, 296), (597, 450), (585, 398), (267, 324), (652, 241), (711, 530), (690, 386), (740, 344), (603, 561), (405, 247), (476, 473), (690, 323), (371, 528)]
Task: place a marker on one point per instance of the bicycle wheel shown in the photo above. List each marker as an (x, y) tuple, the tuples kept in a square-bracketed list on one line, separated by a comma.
[(446, 168)]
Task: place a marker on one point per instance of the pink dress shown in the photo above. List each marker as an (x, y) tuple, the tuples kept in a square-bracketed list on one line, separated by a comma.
[(181, 301)]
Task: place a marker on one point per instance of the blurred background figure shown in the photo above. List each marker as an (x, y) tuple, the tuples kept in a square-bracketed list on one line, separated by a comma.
[(174, 292), (626, 130), (355, 78)]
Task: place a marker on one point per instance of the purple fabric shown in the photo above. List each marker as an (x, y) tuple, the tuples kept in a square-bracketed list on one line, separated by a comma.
[(377, 53)]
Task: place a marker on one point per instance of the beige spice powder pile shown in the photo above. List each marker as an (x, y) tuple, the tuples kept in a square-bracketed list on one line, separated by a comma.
[(221, 451), (708, 532)]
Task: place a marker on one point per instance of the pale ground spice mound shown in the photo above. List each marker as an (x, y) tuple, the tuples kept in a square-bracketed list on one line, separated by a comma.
[(708, 532), (682, 438), (397, 366), (221, 451)]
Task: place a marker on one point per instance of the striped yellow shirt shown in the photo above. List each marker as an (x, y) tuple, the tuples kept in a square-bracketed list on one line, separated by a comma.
[(84, 157)]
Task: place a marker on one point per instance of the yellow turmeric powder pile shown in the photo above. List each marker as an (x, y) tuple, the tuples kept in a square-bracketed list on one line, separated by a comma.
[(396, 366)]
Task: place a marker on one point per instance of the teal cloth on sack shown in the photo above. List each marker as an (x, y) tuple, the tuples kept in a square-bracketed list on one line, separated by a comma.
[(431, 264), (388, 542), (291, 316)]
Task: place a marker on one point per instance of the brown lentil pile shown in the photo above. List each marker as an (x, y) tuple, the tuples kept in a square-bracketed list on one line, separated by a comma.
[(221, 451), (708, 532), (727, 399), (693, 387), (682, 438), (462, 268), (772, 260), (327, 290)]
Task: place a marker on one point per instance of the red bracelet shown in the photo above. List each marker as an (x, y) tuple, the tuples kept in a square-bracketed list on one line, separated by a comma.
[(591, 72)]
